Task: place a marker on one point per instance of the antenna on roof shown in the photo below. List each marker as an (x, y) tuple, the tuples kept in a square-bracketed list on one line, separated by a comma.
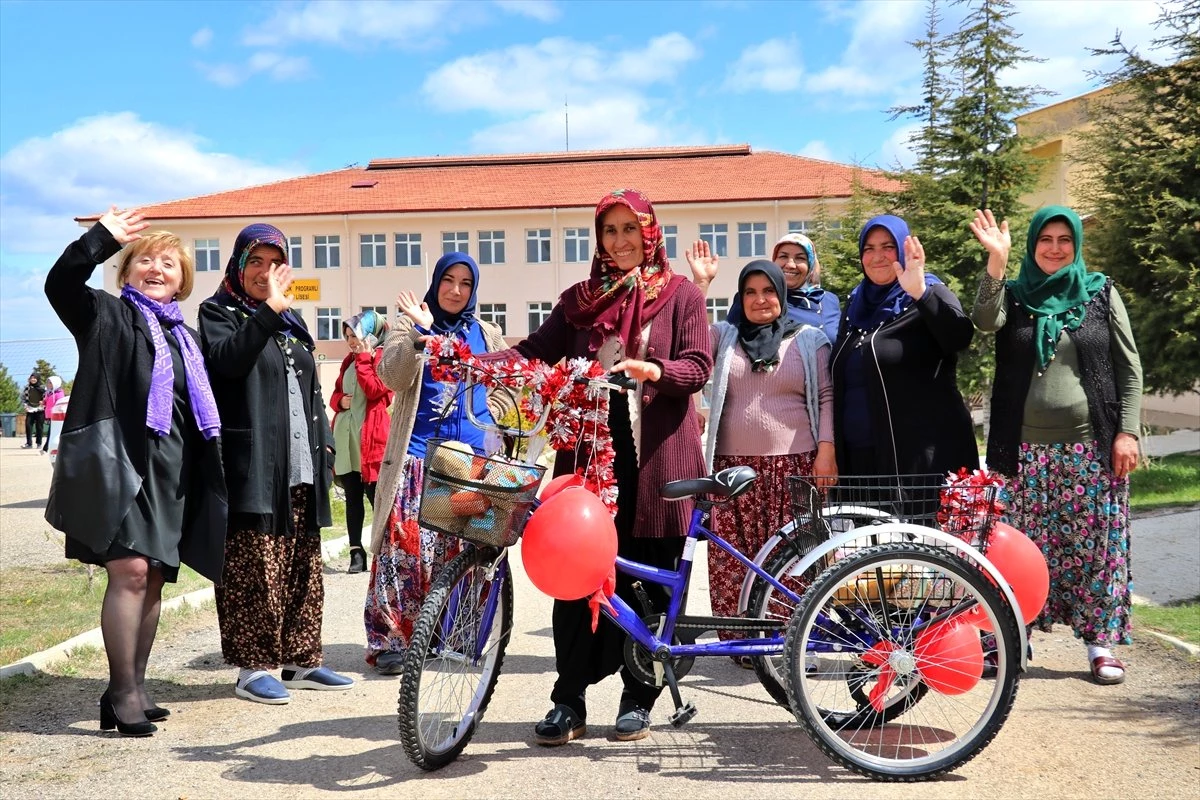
[(567, 122)]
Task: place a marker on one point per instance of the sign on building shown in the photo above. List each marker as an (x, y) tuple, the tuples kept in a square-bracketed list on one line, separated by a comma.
[(308, 289)]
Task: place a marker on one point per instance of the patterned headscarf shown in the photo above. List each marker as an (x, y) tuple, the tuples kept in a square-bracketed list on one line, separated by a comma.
[(232, 291), (367, 324), (614, 302), (444, 322)]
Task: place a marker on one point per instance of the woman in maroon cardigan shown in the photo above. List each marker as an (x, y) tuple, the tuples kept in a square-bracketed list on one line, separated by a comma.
[(633, 314)]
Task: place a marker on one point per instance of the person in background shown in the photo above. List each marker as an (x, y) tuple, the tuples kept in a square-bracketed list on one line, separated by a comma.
[(53, 395), (1066, 407), (33, 397), (138, 486), (278, 453), (360, 423)]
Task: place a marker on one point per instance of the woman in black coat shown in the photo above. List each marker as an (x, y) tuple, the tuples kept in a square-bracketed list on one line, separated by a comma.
[(137, 484), (897, 408), (278, 459)]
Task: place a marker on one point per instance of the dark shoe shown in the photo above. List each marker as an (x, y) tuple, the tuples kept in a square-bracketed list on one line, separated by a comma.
[(26, 446), (157, 713), (389, 663), (322, 679), (358, 560), (110, 720), (633, 722), (560, 726), (263, 687)]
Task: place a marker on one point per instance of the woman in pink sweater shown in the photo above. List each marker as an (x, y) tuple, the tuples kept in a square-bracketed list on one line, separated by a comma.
[(772, 409)]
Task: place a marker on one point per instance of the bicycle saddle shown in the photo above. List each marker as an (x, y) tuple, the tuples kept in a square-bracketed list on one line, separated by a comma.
[(727, 483)]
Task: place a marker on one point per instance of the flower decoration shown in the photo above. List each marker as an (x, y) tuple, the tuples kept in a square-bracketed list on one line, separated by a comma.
[(968, 501)]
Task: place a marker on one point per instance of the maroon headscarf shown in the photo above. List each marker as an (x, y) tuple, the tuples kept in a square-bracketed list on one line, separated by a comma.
[(611, 301)]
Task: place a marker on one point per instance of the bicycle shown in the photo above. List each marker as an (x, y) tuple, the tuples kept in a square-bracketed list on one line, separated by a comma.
[(853, 643)]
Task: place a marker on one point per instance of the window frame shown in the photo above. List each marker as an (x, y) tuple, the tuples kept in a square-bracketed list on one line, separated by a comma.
[(411, 244), (717, 237), (329, 245), (491, 247)]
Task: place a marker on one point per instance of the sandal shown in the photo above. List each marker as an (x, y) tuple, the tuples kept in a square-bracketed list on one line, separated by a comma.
[(1099, 663), (560, 726)]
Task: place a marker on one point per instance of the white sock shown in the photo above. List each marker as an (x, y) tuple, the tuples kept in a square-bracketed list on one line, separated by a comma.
[(298, 673), (1096, 651), (245, 675)]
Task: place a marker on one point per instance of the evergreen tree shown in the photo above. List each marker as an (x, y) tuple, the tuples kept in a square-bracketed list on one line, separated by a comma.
[(1143, 156), (44, 369), (10, 392)]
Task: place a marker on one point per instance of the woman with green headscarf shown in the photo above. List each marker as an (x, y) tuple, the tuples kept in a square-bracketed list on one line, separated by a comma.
[(1066, 404)]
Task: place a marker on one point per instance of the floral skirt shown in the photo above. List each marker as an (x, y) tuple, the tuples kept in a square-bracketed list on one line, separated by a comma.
[(1078, 514), (403, 570), (747, 523)]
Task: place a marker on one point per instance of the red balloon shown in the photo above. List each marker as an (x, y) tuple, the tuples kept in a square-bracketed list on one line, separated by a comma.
[(1023, 566), (570, 545), (949, 656), (558, 484)]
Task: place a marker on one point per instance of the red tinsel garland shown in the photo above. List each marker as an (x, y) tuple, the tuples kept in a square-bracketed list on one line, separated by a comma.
[(967, 499)]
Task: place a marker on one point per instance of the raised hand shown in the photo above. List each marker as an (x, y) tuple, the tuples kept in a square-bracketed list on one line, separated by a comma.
[(704, 263), (912, 275), (413, 308), (279, 283), (994, 238), (124, 225)]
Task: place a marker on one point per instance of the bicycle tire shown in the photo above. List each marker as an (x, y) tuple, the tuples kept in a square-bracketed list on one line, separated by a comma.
[(880, 593), (449, 676)]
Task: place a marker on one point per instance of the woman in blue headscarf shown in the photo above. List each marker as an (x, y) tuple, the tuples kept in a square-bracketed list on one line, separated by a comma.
[(408, 557), (897, 408)]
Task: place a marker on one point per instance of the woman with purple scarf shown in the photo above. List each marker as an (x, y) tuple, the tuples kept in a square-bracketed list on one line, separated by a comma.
[(138, 486), (278, 454)]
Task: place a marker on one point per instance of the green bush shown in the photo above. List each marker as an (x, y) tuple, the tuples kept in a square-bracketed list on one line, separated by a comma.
[(10, 392)]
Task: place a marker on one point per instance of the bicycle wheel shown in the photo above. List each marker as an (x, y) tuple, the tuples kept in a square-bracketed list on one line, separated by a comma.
[(454, 658), (866, 698)]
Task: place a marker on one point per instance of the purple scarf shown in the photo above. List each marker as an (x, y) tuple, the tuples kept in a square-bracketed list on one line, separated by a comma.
[(162, 379)]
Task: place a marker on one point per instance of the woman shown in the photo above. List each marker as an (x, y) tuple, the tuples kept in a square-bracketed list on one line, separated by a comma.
[(278, 459), (634, 316), (1066, 406), (897, 409), (772, 409), (54, 393), (360, 423), (408, 557), (137, 486)]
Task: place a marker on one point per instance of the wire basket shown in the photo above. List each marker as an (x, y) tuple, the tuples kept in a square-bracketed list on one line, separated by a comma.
[(485, 500)]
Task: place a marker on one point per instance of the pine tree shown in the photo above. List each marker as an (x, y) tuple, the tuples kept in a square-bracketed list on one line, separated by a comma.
[(10, 392), (1143, 156)]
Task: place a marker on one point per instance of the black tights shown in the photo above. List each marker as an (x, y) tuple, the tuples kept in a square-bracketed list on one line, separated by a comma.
[(129, 622), (352, 484)]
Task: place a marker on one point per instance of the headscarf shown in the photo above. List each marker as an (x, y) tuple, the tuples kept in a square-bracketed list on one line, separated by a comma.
[(369, 326), (761, 342), (871, 305), (445, 323), (804, 298), (232, 291), (55, 383), (162, 378), (614, 302), (1055, 301)]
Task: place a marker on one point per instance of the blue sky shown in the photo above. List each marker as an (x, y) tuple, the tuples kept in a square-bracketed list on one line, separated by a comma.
[(104, 102)]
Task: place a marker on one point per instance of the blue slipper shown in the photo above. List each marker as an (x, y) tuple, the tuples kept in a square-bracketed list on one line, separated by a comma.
[(263, 687), (320, 678)]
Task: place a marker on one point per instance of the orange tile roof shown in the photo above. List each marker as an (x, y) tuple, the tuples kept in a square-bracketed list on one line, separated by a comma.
[(723, 173)]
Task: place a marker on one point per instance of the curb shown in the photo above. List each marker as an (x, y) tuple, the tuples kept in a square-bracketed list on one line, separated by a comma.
[(39, 661)]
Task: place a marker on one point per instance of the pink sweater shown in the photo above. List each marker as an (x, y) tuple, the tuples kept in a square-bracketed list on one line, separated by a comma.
[(765, 412)]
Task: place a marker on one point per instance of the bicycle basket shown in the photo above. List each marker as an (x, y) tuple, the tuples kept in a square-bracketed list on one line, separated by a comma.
[(485, 500)]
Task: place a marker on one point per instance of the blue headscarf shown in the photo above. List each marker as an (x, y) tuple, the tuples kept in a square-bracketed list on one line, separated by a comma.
[(444, 322), (871, 305)]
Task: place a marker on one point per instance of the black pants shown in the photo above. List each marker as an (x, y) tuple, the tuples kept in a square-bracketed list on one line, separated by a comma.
[(33, 426), (352, 484), (581, 657)]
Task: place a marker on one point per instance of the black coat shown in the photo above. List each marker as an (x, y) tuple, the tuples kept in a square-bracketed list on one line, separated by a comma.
[(919, 419), (249, 379), (102, 450)]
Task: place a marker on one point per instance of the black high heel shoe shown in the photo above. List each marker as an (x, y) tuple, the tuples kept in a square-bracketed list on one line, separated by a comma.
[(110, 720), (157, 713)]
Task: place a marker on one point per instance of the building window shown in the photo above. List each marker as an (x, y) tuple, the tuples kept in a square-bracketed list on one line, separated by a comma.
[(329, 324), (538, 313), (455, 242), (208, 255), (809, 227), (408, 249), (670, 238), (752, 239), (578, 245), (496, 313), (372, 250), (537, 246), (717, 236), (296, 252), (328, 251), (491, 247), (380, 310), (718, 308)]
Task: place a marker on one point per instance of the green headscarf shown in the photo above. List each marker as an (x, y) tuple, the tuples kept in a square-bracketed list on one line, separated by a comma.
[(1056, 301)]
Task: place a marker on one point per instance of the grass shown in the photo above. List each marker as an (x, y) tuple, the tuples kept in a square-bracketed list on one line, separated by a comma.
[(44, 606), (1169, 481), (1180, 619)]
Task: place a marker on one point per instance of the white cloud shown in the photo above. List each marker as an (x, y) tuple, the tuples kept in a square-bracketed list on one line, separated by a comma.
[(597, 125), (772, 66), (817, 149), (202, 38), (541, 10), (353, 23), (897, 150), (878, 56), (276, 65)]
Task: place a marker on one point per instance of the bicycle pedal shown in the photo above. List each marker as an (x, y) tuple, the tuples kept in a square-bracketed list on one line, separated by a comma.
[(682, 716)]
